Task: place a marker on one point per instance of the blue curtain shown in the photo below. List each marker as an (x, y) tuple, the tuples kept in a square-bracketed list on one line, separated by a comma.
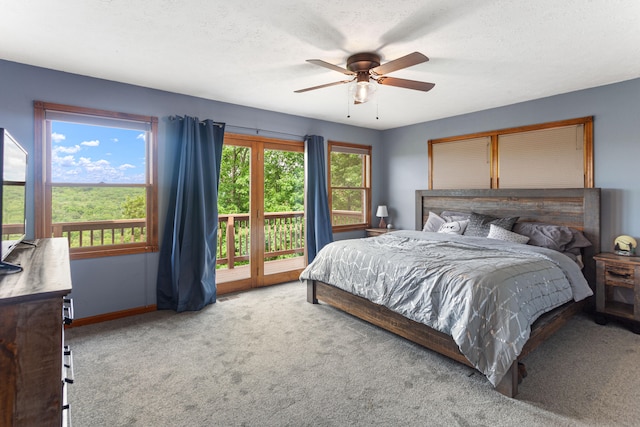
[(318, 225), (187, 265)]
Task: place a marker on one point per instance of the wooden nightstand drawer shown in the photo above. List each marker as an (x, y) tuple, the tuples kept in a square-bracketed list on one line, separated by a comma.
[(614, 272), (619, 275)]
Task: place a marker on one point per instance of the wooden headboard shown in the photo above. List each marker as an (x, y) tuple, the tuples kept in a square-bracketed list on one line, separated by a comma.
[(577, 208)]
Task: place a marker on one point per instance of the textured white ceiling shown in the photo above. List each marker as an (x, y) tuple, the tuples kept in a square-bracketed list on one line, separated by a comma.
[(483, 53)]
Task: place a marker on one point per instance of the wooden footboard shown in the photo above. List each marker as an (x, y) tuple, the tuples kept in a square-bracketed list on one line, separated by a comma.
[(427, 337)]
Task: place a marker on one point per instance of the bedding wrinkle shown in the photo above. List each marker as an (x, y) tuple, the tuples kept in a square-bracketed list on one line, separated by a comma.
[(484, 293)]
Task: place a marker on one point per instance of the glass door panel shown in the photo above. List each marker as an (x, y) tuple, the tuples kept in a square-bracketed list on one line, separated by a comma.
[(283, 231), (260, 213), (234, 219)]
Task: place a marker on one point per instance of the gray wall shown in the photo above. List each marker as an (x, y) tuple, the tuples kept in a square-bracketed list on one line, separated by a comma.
[(400, 163), (110, 284), (616, 111)]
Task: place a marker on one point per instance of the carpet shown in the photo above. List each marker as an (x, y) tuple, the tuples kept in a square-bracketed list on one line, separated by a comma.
[(268, 358)]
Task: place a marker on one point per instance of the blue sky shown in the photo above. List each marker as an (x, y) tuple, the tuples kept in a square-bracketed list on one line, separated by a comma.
[(83, 153)]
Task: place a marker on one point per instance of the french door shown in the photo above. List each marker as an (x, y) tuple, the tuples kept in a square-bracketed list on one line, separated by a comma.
[(261, 213)]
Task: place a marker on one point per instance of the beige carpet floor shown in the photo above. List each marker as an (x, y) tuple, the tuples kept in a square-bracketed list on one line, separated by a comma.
[(268, 358)]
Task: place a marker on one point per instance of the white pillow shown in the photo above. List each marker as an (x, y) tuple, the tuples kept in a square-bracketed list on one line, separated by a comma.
[(453, 227), (500, 233), (434, 222)]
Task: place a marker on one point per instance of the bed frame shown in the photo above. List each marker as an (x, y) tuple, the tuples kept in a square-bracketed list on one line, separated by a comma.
[(576, 208)]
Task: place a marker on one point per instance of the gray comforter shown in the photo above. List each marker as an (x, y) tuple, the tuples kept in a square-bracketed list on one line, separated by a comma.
[(484, 293)]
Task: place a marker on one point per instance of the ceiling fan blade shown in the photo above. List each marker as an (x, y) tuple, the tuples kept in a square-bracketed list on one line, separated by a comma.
[(322, 86), (407, 84), (400, 63), (325, 64)]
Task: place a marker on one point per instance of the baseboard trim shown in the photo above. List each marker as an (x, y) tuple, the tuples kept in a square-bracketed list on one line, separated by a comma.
[(112, 316)]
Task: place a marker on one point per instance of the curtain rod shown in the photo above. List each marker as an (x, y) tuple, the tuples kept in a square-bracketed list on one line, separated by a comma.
[(257, 131), (172, 118)]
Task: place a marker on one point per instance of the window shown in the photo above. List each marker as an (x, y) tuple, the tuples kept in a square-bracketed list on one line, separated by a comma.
[(473, 156), (96, 180), (548, 155), (546, 158), (349, 185)]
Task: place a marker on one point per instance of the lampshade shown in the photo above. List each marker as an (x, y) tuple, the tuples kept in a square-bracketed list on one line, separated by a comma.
[(382, 211)]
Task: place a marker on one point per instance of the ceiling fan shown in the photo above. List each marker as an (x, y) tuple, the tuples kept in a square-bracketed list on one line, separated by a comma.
[(365, 67)]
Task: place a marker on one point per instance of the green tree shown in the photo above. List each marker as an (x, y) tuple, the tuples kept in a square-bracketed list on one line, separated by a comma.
[(74, 204), (283, 180), (233, 190), (134, 207), (346, 171)]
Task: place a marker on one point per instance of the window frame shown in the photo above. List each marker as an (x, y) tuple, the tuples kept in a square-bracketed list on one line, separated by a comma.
[(586, 122), (334, 146), (43, 185)]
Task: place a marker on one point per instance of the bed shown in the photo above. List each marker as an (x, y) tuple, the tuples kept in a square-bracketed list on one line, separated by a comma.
[(578, 209)]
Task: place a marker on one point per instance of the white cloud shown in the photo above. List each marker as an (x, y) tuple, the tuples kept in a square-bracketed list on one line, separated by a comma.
[(141, 136), (68, 168), (93, 143), (57, 137), (66, 161), (91, 166), (67, 150), (71, 173)]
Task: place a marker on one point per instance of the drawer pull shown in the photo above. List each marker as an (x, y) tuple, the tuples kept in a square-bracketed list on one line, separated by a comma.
[(67, 364), (67, 311), (622, 275)]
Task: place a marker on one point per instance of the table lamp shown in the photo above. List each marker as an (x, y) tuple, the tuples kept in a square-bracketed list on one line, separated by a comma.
[(382, 213)]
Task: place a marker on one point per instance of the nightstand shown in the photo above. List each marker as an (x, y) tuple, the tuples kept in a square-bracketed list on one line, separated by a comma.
[(377, 231), (617, 271)]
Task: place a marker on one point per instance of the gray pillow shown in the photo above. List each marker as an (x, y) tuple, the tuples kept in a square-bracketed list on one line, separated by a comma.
[(577, 242), (499, 233), (557, 237), (455, 216), (479, 224), (434, 222), (545, 235)]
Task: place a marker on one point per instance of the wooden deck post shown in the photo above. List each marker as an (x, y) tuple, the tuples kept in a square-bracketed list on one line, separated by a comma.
[(231, 242)]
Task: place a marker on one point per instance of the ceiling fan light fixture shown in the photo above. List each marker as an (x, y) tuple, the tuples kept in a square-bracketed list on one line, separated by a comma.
[(362, 90)]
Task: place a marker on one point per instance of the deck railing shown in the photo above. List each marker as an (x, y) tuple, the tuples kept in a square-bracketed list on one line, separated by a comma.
[(283, 234), (100, 233), (9, 230)]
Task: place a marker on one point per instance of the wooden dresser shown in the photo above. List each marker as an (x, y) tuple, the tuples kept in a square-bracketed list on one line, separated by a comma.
[(31, 334)]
